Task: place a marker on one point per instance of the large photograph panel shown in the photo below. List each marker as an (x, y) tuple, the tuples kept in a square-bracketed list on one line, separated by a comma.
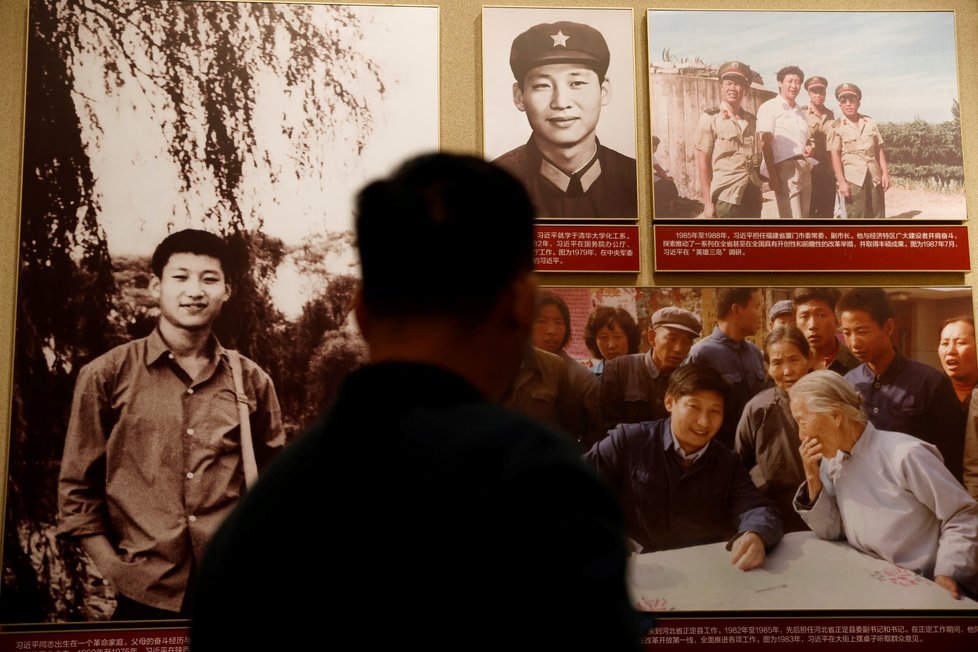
[(256, 121), (909, 352)]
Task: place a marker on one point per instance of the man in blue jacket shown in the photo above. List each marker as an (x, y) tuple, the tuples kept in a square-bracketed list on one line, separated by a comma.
[(678, 488)]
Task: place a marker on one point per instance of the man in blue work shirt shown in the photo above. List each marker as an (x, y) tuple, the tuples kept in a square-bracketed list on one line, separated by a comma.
[(739, 362), (677, 487), (899, 394)]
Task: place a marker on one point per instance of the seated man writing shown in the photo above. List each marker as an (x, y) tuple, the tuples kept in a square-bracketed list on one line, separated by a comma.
[(679, 489)]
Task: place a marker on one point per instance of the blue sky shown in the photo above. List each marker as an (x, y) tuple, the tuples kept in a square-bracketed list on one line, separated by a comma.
[(904, 62)]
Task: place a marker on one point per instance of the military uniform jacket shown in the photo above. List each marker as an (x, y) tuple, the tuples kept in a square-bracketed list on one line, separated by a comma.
[(859, 143), (819, 129), (610, 184), (732, 145)]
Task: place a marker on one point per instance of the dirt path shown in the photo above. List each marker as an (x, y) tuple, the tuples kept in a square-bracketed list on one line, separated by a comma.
[(902, 203)]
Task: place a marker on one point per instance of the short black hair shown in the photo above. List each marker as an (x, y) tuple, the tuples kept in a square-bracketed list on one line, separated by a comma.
[(789, 334), (870, 300), (191, 241), (607, 316), (830, 296), (790, 70), (725, 298), (696, 377), (547, 298), (443, 235)]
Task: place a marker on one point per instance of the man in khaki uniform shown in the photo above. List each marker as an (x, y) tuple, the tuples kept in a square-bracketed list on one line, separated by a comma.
[(726, 150), (857, 157), (819, 119)]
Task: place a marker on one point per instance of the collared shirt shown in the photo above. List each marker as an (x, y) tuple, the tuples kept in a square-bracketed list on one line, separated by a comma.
[(767, 441), (667, 506), (730, 140), (819, 127), (842, 360), (788, 124), (609, 183), (891, 497), (859, 144), (741, 364), (152, 460), (672, 442), (631, 390), (916, 399)]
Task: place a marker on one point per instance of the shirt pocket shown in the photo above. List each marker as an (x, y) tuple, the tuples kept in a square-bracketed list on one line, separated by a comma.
[(220, 422)]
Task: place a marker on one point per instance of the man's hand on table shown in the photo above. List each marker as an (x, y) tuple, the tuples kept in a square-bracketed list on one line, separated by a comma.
[(949, 584), (747, 551)]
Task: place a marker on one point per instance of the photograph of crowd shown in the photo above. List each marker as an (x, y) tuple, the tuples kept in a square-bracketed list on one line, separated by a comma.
[(857, 120)]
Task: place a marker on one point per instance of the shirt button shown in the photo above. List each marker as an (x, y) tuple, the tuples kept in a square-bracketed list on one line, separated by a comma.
[(190, 390), (192, 518), (190, 475), (190, 431), (876, 410), (169, 355), (876, 385)]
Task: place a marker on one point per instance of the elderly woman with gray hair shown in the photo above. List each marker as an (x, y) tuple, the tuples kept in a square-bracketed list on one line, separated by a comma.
[(888, 494)]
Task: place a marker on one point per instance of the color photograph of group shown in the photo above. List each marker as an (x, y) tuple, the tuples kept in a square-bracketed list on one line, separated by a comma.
[(837, 125), (760, 412)]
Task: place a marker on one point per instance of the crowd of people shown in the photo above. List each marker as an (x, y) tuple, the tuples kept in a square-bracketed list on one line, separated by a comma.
[(707, 439), (817, 165)]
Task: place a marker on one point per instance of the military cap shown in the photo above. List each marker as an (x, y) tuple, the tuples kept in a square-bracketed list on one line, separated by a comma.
[(735, 69), (780, 308), (816, 81), (678, 318), (561, 42), (847, 89)]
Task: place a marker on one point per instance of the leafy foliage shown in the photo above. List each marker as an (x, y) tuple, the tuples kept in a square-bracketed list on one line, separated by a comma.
[(196, 66), (920, 149)]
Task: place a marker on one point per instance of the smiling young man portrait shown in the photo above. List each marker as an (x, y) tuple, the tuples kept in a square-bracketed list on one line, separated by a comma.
[(677, 486), (561, 85), (153, 458)]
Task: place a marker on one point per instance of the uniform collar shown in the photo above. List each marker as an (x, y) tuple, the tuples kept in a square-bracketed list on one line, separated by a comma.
[(727, 111), (589, 172)]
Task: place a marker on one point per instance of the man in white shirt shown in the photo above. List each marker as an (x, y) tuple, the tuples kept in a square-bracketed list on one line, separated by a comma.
[(783, 128)]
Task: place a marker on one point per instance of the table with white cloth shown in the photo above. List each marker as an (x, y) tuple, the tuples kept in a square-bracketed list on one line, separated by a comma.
[(803, 572)]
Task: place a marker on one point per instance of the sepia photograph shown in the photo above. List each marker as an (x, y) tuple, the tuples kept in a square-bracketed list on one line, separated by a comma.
[(815, 437), (559, 107), (189, 167), (814, 115)]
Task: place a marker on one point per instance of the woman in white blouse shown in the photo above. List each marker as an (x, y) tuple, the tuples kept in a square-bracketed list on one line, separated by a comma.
[(888, 494)]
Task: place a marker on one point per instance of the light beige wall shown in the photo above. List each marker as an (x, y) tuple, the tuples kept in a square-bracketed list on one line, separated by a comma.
[(461, 130)]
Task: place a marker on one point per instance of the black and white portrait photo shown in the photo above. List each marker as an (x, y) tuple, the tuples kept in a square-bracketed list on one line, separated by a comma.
[(186, 271), (559, 108)]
